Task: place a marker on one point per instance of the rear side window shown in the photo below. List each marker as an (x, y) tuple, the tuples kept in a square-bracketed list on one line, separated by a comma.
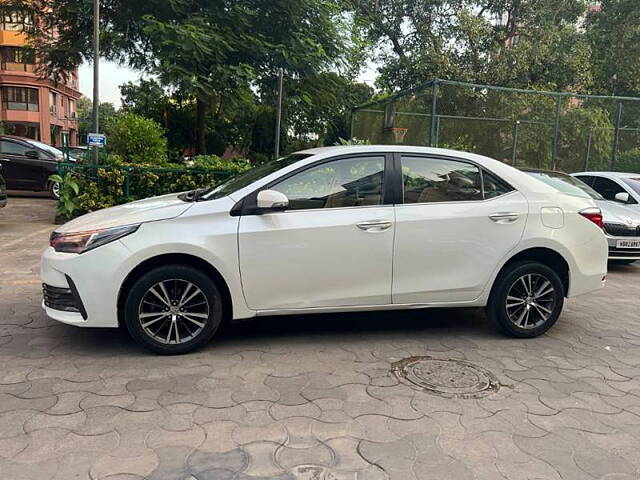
[(586, 179), (434, 180), (494, 186)]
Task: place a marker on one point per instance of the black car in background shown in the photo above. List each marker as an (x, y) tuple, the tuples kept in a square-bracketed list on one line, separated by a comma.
[(27, 164), (3, 190)]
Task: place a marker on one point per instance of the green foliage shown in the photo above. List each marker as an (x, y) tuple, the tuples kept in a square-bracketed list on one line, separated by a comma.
[(138, 140), (215, 163), (352, 141), (85, 116), (68, 204), (629, 161), (118, 182)]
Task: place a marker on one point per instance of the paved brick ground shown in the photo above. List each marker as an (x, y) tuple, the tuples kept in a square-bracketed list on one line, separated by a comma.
[(312, 397)]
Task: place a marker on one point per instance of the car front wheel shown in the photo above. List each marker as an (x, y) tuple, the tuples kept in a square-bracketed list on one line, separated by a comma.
[(173, 309), (526, 300)]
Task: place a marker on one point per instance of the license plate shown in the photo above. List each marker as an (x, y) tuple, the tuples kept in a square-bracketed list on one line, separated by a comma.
[(628, 244)]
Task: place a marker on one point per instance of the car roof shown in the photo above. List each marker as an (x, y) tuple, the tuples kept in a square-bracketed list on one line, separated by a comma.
[(15, 137), (609, 174)]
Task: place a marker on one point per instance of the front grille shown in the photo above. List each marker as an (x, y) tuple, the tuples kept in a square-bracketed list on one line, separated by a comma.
[(619, 230), (624, 253), (59, 298)]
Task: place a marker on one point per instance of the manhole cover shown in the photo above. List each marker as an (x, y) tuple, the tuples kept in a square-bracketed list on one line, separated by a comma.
[(449, 378)]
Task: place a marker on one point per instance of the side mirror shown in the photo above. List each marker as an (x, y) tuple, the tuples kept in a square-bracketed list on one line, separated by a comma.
[(622, 197), (31, 154), (272, 200)]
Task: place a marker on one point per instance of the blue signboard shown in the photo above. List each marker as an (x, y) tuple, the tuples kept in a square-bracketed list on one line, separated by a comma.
[(96, 139)]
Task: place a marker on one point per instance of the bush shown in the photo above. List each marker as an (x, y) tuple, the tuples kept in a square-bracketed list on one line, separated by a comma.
[(629, 161), (213, 162), (118, 182), (136, 139)]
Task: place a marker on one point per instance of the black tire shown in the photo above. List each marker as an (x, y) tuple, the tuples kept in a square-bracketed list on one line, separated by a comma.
[(171, 277), (54, 190), (621, 262), (513, 279)]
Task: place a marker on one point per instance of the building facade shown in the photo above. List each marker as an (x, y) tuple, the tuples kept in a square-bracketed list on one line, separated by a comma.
[(31, 106)]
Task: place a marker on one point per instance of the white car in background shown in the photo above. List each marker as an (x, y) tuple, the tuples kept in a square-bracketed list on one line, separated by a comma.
[(615, 186), (335, 229)]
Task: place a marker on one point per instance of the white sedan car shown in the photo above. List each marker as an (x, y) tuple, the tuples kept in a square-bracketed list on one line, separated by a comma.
[(329, 230)]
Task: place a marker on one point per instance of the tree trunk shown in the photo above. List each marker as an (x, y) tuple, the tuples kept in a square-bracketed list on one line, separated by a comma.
[(201, 116)]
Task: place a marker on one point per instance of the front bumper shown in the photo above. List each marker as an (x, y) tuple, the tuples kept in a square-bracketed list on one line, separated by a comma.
[(93, 278), (616, 253)]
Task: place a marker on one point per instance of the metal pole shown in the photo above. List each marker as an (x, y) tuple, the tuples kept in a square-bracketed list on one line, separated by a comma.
[(279, 113), (514, 148), (586, 160), (434, 111), (96, 74), (556, 135), (616, 138)]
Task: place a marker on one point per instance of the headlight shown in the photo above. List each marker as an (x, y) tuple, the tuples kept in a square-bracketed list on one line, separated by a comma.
[(80, 242)]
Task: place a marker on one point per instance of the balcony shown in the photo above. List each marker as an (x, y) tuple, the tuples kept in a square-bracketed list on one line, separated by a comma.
[(17, 67)]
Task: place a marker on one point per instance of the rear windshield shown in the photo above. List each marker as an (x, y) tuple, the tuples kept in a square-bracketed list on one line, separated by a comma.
[(567, 184), (633, 183)]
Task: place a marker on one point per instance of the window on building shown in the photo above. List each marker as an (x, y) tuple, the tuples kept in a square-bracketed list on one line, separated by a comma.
[(53, 102), (71, 108), (17, 21), (17, 59), (20, 98)]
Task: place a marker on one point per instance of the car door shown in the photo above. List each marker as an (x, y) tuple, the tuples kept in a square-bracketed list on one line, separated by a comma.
[(332, 247), (454, 225), (22, 166)]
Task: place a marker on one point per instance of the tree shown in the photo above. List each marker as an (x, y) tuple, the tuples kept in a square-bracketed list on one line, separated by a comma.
[(614, 35), (209, 50), (85, 116), (136, 139), (520, 43)]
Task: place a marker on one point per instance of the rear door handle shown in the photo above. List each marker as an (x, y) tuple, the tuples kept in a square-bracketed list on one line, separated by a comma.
[(504, 217), (375, 225)]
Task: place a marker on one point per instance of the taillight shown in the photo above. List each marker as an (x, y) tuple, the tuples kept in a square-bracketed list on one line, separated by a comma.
[(594, 215)]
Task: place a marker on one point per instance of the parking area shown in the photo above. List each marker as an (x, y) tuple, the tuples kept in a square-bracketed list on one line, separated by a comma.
[(315, 397)]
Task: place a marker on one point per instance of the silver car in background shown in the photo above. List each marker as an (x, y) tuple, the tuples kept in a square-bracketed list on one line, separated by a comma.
[(621, 223)]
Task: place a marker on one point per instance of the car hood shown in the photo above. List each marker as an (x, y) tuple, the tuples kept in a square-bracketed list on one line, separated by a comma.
[(141, 211), (613, 212)]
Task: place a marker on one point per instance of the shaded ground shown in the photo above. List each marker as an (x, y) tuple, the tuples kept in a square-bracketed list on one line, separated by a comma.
[(312, 397)]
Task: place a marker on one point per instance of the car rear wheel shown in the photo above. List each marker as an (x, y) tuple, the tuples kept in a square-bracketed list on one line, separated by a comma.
[(526, 299), (173, 309), (54, 190)]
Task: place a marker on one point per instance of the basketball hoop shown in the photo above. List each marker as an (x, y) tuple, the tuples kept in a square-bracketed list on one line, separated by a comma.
[(399, 133)]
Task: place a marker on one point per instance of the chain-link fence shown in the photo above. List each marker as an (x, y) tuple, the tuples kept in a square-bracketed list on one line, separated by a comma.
[(526, 128)]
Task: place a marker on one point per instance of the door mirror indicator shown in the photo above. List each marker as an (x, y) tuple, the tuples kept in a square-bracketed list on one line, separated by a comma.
[(622, 197), (31, 154), (272, 200)]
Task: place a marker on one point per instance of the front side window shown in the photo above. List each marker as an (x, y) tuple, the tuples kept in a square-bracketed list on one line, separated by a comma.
[(432, 180), (608, 188), (13, 148), (349, 182), (20, 98)]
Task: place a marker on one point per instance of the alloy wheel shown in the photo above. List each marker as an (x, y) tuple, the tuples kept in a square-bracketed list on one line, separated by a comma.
[(530, 301), (55, 189), (173, 311)]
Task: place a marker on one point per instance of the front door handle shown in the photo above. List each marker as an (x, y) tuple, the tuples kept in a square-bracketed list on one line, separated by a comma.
[(504, 217), (375, 225)]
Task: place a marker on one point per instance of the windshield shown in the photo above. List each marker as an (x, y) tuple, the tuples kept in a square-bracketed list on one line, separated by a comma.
[(46, 147), (567, 184), (633, 183), (247, 178)]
